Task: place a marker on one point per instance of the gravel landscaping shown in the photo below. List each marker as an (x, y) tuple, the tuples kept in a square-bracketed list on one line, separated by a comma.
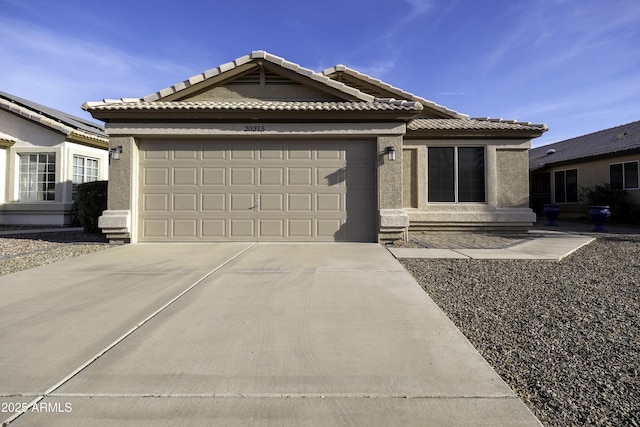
[(564, 335), (24, 251)]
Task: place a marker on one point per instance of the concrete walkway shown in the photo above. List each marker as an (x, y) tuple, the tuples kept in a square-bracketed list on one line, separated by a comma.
[(541, 245), (238, 334)]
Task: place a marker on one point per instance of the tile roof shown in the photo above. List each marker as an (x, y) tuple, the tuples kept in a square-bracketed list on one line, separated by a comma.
[(136, 105), (605, 142), (387, 87), (473, 124), (6, 139), (52, 118), (265, 56), (360, 97)]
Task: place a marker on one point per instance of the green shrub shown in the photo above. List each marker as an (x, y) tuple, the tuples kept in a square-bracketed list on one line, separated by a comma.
[(622, 210), (90, 202)]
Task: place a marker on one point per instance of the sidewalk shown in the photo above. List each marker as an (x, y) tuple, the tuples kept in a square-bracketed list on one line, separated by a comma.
[(542, 242)]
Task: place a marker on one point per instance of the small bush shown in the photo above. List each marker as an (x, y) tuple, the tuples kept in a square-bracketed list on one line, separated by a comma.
[(622, 210), (91, 201)]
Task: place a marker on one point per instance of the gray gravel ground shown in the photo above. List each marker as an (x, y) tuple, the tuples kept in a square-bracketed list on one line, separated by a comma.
[(564, 335), (23, 251)]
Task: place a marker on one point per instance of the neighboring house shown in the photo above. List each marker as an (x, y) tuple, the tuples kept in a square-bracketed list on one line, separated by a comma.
[(560, 171), (43, 153), (263, 149)]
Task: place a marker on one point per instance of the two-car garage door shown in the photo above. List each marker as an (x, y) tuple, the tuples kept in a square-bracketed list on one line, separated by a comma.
[(196, 190)]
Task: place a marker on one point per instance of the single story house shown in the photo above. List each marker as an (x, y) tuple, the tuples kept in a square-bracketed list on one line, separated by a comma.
[(560, 171), (44, 153), (262, 149)]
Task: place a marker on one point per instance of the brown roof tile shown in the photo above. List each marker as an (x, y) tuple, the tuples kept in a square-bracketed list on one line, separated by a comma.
[(473, 124), (120, 105)]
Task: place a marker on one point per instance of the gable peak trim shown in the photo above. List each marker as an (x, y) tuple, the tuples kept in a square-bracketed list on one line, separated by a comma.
[(254, 56)]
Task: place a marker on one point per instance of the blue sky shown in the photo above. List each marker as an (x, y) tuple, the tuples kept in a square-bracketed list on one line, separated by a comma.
[(572, 64)]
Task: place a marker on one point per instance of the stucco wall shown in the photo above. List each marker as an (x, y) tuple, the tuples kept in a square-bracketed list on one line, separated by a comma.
[(512, 170), (591, 173), (506, 184), (27, 132)]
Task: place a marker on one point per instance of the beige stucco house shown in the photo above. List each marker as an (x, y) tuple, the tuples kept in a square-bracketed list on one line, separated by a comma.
[(560, 171), (44, 152), (262, 149)]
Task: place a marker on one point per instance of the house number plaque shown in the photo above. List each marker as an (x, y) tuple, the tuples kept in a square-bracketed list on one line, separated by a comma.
[(254, 128)]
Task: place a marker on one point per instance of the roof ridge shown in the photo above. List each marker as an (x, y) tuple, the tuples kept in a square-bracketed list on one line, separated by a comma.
[(256, 54), (386, 86)]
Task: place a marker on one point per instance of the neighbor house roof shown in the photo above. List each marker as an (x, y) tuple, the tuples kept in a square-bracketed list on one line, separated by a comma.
[(608, 142), (74, 128)]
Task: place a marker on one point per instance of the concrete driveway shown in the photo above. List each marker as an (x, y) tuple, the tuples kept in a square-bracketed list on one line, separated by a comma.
[(238, 334)]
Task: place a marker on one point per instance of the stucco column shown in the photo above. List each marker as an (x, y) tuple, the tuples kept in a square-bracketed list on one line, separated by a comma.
[(116, 221), (394, 221)]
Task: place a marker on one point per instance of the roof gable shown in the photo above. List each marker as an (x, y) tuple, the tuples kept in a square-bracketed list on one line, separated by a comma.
[(259, 75), (606, 142)]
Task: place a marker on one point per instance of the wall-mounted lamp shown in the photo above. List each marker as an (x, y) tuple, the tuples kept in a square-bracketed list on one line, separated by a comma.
[(391, 152), (114, 152)]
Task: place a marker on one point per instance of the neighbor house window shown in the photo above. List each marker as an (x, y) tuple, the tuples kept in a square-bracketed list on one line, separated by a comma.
[(85, 169), (456, 174), (624, 176), (37, 177), (566, 186)]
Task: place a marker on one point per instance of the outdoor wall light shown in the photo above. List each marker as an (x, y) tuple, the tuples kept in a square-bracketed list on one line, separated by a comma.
[(391, 152), (114, 152)]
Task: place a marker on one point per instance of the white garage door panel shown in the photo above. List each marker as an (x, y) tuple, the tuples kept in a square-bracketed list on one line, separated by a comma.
[(245, 190)]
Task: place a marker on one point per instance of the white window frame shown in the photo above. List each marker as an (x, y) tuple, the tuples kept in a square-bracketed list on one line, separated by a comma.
[(83, 176), (30, 182)]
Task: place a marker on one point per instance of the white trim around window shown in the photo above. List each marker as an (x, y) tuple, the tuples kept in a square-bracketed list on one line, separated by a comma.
[(37, 177)]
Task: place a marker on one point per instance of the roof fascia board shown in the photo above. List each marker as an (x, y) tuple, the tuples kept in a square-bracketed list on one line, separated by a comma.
[(88, 141)]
